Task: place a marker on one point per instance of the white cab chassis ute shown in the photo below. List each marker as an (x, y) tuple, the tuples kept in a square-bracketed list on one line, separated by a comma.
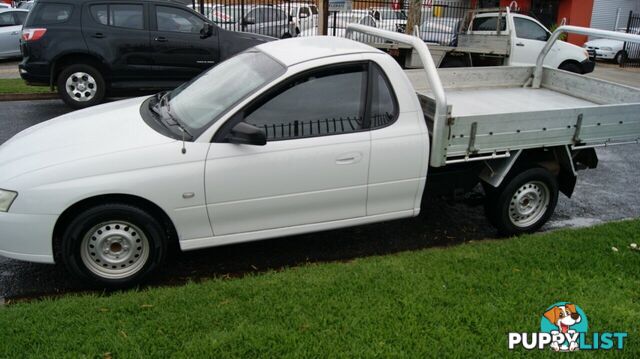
[(275, 142)]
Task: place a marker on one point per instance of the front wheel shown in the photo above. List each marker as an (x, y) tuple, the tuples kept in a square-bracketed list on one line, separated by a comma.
[(81, 86), (114, 245), (571, 67), (621, 56), (524, 203)]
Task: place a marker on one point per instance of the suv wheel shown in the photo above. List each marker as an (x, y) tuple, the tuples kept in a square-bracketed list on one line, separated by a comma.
[(114, 245), (81, 86)]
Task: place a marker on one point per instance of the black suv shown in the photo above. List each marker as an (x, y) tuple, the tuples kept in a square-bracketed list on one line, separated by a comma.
[(88, 48)]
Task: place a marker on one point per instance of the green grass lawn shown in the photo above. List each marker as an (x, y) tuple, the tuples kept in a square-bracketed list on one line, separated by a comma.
[(18, 86), (453, 302)]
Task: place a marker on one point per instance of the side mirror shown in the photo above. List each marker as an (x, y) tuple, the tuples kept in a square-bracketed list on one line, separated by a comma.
[(246, 134), (206, 31)]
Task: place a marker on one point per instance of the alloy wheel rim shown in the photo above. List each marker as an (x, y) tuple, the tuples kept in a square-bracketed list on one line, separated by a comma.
[(81, 86), (114, 249), (529, 204)]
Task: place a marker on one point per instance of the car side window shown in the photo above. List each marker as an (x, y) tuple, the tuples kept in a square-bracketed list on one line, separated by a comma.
[(51, 13), (21, 17), (127, 16), (384, 108), (6, 19), (489, 23), (324, 102), (178, 20), (527, 29)]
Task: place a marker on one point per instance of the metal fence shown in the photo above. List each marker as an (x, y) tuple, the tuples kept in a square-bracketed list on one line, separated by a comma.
[(632, 49), (439, 20)]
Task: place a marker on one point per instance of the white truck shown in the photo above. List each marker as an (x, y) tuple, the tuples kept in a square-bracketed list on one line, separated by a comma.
[(493, 37), (274, 142)]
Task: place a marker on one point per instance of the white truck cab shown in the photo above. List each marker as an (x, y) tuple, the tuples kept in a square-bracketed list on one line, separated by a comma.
[(527, 38)]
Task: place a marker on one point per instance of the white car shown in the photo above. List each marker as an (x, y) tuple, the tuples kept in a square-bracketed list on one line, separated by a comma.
[(606, 49), (442, 31), (11, 21)]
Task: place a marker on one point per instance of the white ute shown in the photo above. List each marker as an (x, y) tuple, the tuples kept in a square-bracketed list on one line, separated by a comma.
[(275, 142)]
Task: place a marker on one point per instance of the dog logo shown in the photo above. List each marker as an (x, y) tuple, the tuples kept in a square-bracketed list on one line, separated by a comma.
[(565, 321), (564, 328)]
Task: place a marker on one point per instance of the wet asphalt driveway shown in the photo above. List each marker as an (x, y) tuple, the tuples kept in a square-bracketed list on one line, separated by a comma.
[(607, 193)]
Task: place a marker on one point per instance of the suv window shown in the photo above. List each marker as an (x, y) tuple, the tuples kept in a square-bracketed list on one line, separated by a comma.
[(51, 13), (119, 15), (489, 24), (178, 20), (527, 29), (295, 112), (384, 108), (6, 19)]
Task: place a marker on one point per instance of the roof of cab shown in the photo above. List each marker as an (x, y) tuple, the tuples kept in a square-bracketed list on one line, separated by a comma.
[(301, 49)]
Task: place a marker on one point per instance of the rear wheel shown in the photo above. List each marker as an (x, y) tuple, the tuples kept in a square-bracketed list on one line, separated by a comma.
[(621, 56), (114, 245), (523, 203), (81, 86)]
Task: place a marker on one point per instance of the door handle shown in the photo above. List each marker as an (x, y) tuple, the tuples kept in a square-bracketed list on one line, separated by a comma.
[(520, 44), (98, 35), (160, 39), (15, 33), (349, 158)]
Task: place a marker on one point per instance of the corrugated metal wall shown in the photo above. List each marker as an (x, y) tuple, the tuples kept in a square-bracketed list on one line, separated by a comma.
[(605, 11)]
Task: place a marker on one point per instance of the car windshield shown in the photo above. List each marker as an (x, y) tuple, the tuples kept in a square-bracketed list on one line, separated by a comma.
[(200, 102)]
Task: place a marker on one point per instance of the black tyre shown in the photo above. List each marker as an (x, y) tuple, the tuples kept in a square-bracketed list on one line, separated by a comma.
[(286, 35), (621, 57), (571, 67), (81, 86), (114, 245), (524, 202)]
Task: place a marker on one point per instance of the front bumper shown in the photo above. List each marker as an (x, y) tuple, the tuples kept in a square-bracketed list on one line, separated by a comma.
[(27, 237), (605, 55), (587, 66)]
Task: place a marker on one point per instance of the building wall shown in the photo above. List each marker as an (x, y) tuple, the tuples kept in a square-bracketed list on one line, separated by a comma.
[(577, 13), (605, 13)]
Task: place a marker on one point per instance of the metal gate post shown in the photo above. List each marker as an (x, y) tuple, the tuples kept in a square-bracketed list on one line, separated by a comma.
[(323, 17)]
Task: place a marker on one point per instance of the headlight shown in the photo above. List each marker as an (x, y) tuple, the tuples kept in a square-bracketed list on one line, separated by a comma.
[(6, 199), (606, 49)]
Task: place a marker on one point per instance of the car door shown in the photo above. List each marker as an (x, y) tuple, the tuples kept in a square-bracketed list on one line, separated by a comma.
[(530, 38), (10, 29), (180, 50), (314, 167), (118, 33)]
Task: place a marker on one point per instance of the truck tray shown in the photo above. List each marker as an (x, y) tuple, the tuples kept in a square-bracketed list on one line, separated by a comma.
[(494, 110)]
